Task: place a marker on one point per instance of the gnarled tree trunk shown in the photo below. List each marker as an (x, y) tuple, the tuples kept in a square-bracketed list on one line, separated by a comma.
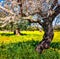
[(48, 36), (17, 31), (48, 32)]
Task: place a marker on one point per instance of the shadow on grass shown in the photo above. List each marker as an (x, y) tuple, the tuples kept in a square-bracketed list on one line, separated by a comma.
[(55, 45), (26, 50), (8, 34), (32, 43)]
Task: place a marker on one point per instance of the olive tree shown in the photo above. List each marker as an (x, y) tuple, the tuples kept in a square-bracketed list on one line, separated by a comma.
[(46, 11)]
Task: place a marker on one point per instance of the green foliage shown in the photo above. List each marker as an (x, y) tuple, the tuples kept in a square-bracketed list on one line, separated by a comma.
[(23, 24), (23, 46), (2, 14), (57, 28), (30, 28)]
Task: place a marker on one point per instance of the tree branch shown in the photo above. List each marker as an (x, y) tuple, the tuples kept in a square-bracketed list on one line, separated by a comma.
[(29, 18), (57, 11), (9, 11)]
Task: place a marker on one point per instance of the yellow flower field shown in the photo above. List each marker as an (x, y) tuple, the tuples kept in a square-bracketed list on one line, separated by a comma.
[(23, 46), (8, 37)]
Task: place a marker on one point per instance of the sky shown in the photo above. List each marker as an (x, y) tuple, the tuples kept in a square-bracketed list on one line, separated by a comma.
[(1, 0)]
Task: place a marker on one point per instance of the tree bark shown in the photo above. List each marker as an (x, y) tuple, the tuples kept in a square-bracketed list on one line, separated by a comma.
[(48, 31), (48, 36), (17, 31)]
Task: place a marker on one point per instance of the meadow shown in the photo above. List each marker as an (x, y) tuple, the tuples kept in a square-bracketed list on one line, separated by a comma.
[(23, 46)]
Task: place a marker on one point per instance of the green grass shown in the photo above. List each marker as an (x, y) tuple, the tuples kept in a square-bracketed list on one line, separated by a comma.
[(23, 46)]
